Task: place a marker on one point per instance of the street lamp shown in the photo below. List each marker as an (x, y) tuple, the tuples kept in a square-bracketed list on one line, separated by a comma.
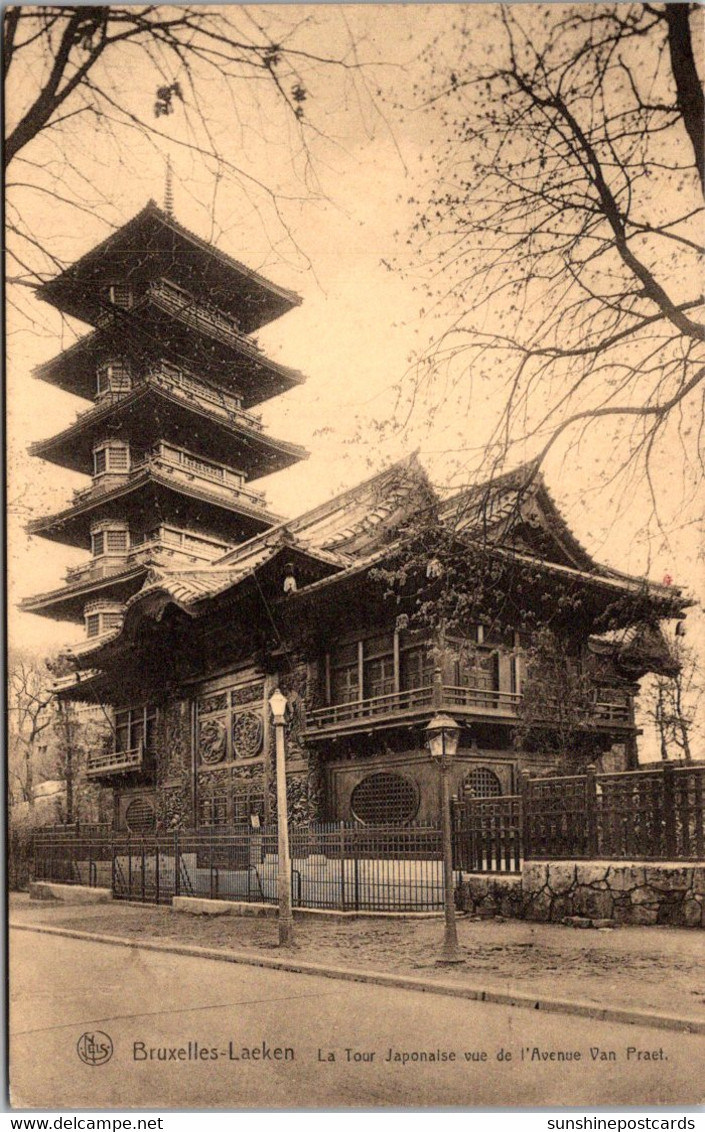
[(277, 703), (442, 735)]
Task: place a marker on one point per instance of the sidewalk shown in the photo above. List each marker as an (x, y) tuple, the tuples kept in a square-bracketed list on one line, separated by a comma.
[(659, 969)]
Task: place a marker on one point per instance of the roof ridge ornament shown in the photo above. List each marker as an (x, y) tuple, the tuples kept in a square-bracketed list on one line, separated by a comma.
[(169, 189)]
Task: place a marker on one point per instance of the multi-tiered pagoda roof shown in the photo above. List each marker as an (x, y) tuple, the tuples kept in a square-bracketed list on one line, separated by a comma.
[(170, 440)]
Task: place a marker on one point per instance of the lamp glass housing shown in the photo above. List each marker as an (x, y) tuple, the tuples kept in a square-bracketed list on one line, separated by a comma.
[(277, 703), (442, 735)]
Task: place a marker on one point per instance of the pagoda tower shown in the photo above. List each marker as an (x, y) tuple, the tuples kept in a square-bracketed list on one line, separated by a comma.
[(169, 440)]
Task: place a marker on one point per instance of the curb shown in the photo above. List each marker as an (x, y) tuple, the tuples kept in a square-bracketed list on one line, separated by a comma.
[(623, 1014)]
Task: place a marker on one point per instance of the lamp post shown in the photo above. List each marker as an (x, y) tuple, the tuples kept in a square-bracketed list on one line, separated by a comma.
[(277, 703), (442, 735)]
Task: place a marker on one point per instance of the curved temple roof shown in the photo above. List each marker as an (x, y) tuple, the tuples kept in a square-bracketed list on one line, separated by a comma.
[(358, 528), (155, 238)]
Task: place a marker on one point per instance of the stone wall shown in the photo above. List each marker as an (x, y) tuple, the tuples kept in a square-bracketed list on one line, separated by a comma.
[(594, 892)]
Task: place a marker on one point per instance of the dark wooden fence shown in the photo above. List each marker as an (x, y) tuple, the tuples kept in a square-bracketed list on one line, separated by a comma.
[(487, 834), (654, 813)]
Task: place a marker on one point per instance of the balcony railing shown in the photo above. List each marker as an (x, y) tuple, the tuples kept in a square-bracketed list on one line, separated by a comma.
[(607, 711), (169, 547), (113, 762), (391, 704), (225, 404), (180, 464), (476, 701), (199, 315)]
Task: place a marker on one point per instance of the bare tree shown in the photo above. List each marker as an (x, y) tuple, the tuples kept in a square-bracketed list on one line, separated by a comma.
[(83, 80), (556, 712), (560, 243), (30, 710), (672, 704)]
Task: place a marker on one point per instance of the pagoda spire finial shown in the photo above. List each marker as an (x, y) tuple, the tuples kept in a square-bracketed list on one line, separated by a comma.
[(169, 189)]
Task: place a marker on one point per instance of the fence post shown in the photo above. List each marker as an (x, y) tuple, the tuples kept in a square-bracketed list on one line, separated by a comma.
[(456, 833), (342, 865), (669, 810), (177, 865), (591, 810), (524, 785)]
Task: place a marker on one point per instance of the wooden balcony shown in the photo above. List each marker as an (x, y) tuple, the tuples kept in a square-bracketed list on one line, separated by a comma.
[(416, 704), (104, 763), (215, 400), (182, 466), (199, 315)]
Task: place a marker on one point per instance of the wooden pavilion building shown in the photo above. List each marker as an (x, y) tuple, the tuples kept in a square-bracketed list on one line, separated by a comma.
[(198, 602)]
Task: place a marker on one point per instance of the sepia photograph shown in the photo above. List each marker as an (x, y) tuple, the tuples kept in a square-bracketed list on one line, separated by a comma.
[(355, 389)]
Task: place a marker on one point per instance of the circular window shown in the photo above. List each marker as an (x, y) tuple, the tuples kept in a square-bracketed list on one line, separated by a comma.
[(482, 783), (384, 798), (140, 817)]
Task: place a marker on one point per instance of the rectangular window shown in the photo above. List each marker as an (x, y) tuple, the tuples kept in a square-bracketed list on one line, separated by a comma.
[(344, 679), (379, 676), (416, 668), (112, 621), (120, 381), (478, 669), (100, 462), (345, 688), (119, 459), (214, 811), (93, 625), (98, 540), (135, 726), (378, 665), (378, 669), (120, 295), (115, 377), (116, 542), (499, 638)]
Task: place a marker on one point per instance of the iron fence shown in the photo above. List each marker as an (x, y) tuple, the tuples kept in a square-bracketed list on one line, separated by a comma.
[(337, 866), (655, 813)]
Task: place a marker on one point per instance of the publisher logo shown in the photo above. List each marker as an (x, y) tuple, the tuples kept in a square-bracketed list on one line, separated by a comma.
[(94, 1047)]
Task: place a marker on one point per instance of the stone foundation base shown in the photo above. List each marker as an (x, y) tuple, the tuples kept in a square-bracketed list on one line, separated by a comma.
[(594, 892), (198, 906), (68, 893)]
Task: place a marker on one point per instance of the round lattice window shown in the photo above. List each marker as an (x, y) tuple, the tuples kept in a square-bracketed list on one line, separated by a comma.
[(384, 798), (140, 816), (482, 783)]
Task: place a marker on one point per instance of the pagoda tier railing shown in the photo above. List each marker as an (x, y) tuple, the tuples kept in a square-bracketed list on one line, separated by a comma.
[(482, 701), (113, 762), (226, 404), (181, 463), (184, 383), (200, 315), (170, 544)]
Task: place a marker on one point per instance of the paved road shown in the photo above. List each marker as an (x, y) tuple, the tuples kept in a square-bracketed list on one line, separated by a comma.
[(207, 1016)]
